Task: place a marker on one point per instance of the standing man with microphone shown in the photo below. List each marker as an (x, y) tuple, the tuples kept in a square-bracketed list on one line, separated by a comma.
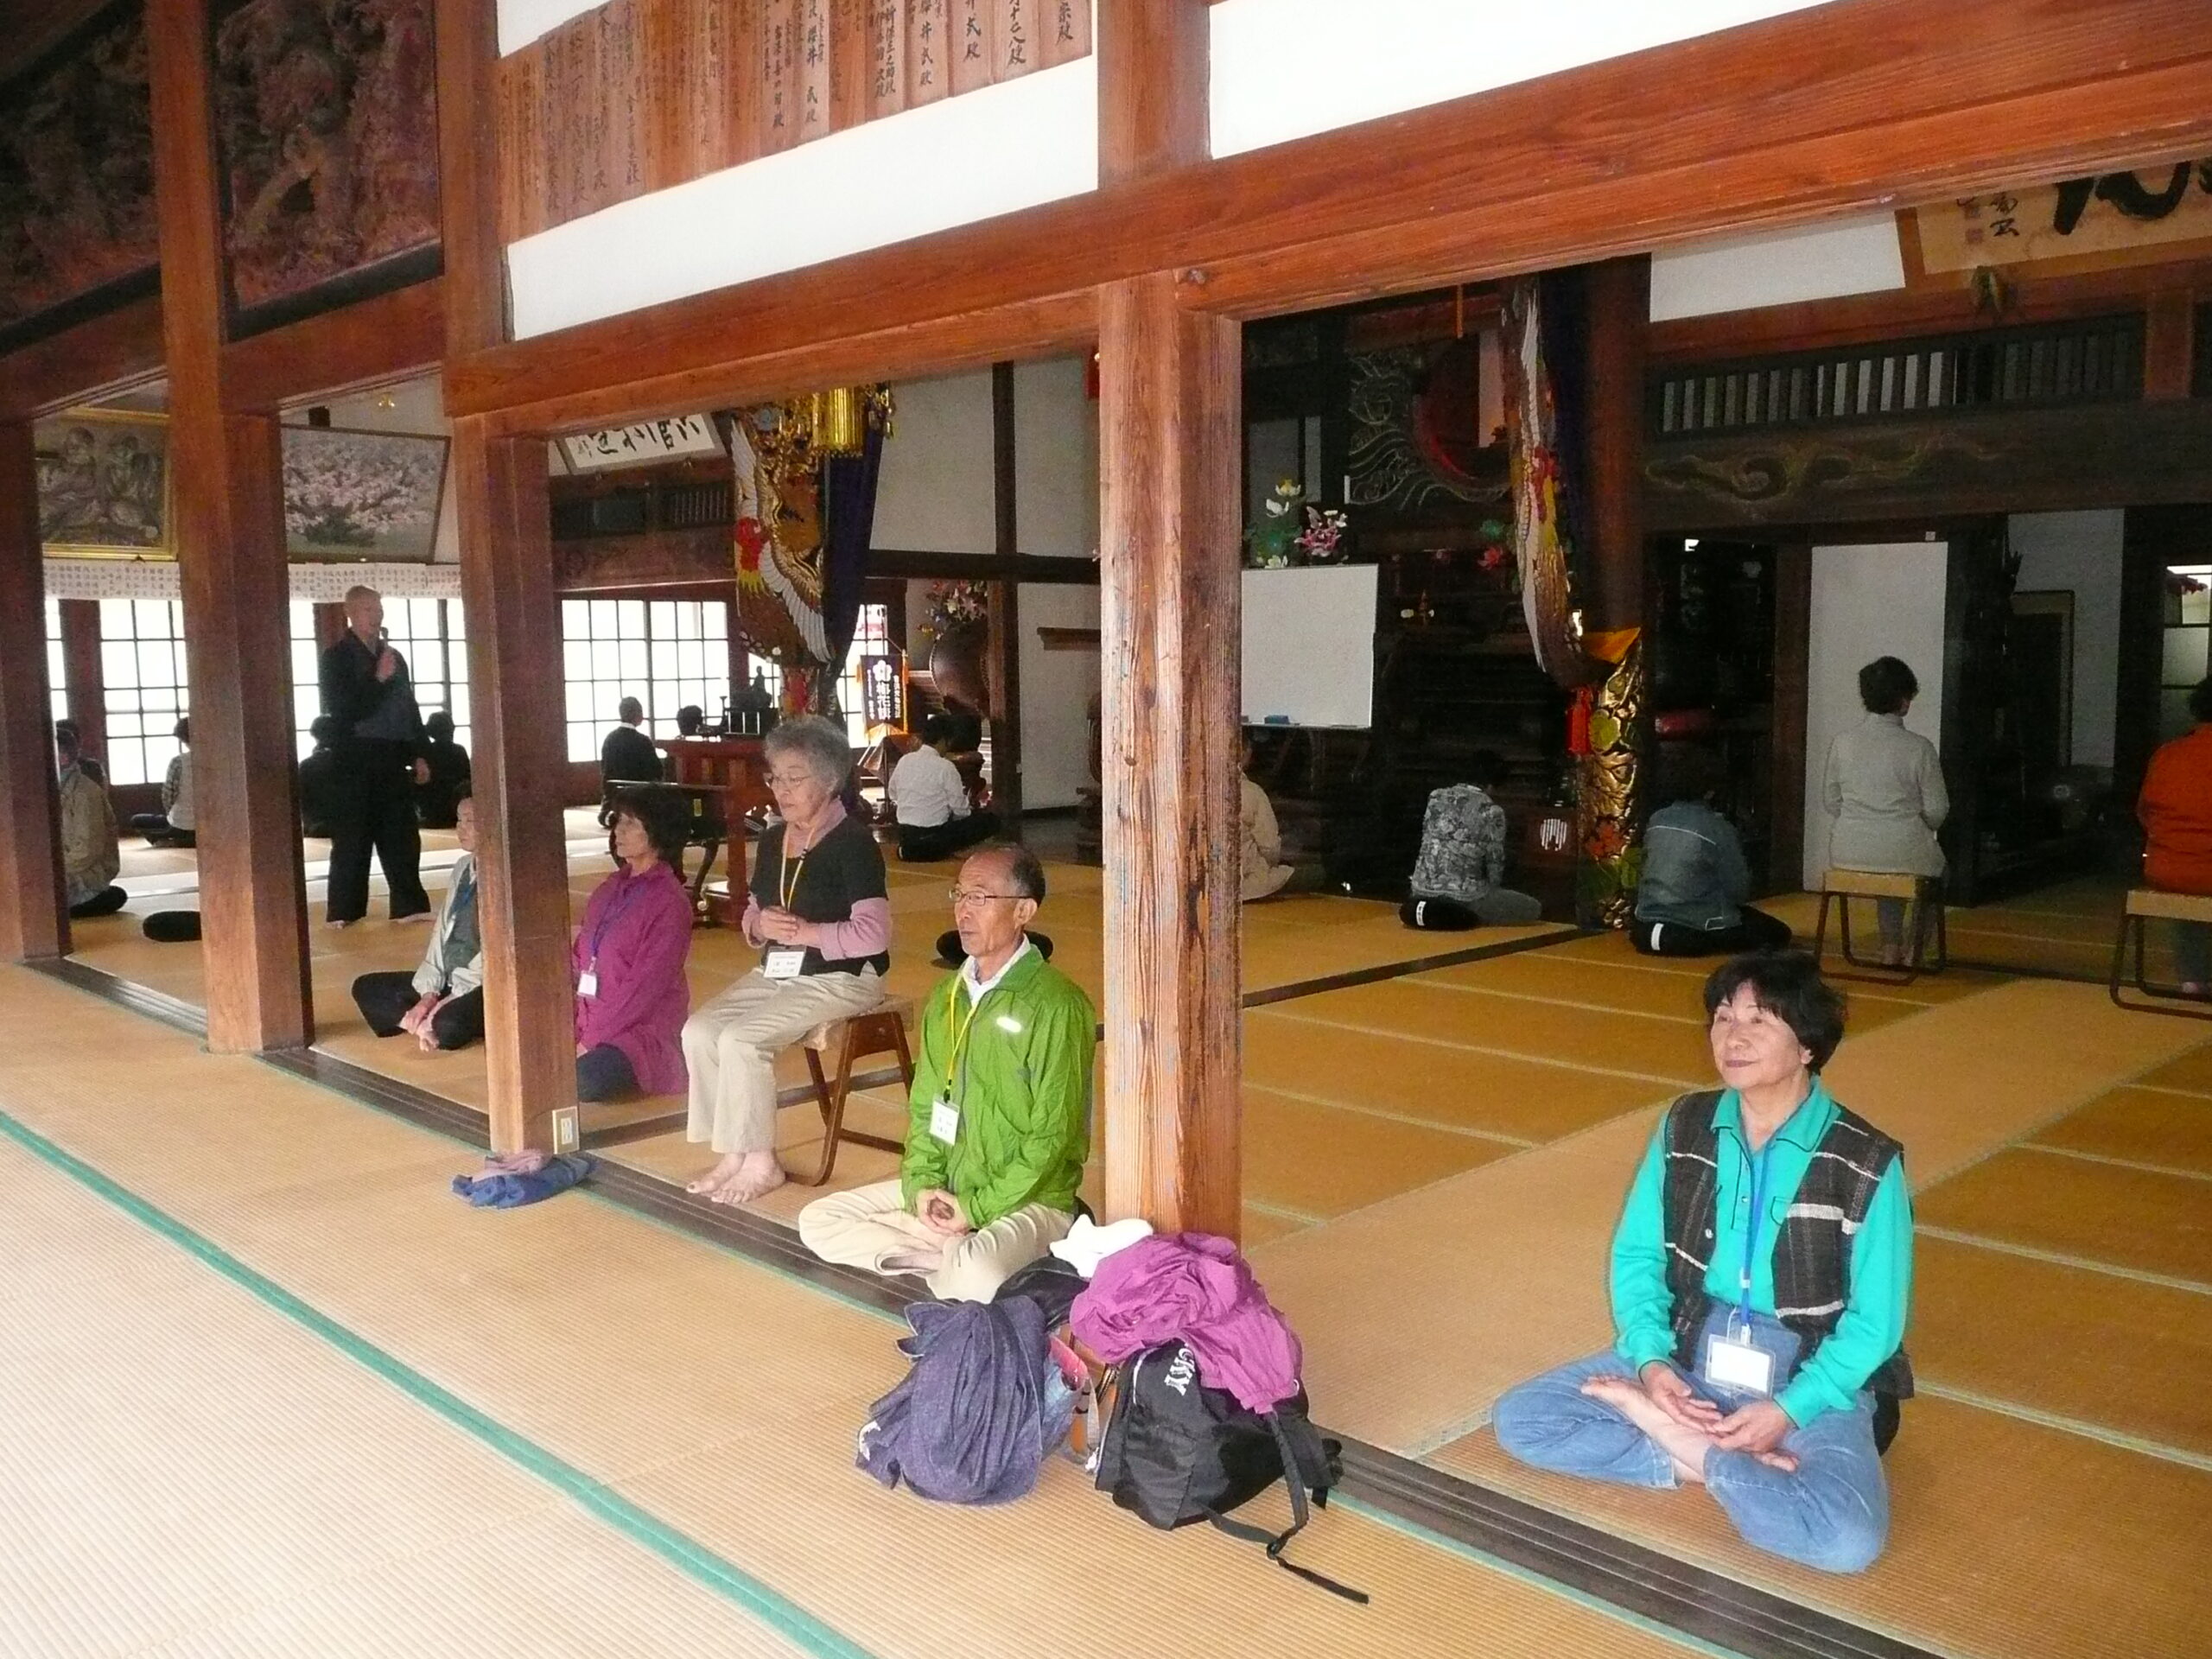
[(378, 755)]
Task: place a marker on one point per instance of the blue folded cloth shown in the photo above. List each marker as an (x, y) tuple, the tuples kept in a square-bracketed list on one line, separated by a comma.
[(501, 1191)]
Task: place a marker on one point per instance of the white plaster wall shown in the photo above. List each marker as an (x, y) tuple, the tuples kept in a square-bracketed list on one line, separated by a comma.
[(1016, 144), (2080, 553), (1814, 262), (1284, 69), (1056, 688), (934, 493), (1055, 458), (1879, 600)]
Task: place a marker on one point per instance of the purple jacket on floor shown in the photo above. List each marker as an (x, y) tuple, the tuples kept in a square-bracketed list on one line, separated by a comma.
[(1196, 1287), (640, 926)]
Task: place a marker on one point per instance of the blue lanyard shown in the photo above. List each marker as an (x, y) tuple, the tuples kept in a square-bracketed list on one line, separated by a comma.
[(613, 913), (464, 894), (1752, 1231)]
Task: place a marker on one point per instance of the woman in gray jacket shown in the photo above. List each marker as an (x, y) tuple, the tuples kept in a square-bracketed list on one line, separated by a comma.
[(1884, 790), (441, 1004)]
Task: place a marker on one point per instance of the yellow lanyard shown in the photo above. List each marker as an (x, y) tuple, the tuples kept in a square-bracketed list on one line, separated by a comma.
[(960, 1030), (787, 875)]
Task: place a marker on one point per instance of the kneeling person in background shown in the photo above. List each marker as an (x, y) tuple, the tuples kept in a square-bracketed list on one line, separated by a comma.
[(1459, 880), (441, 1004), (1000, 1118), (1689, 901)]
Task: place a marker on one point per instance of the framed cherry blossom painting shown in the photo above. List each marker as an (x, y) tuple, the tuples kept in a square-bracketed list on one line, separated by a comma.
[(362, 495)]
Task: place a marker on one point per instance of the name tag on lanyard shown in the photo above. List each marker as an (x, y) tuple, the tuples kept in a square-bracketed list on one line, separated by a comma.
[(784, 965), (587, 981), (944, 1120), (1738, 1365)]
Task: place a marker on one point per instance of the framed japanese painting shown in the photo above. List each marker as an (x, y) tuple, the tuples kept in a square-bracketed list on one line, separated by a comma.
[(362, 495), (103, 485)]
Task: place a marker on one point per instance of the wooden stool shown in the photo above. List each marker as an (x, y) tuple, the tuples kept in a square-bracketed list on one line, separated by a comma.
[(880, 1031), (2144, 904), (1840, 887)]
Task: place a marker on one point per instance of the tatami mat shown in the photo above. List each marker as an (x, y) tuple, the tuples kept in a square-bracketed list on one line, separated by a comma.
[(2113, 1354), (723, 1398), (2008, 1540), (189, 1472), (2146, 1126), (2134, 1219)]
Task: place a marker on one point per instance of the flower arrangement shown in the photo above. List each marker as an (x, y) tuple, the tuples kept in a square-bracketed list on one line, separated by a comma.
[(955, 607), (1292, 531)]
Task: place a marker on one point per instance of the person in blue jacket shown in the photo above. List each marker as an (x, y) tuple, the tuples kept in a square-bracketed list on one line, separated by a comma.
[(1761, 1273)]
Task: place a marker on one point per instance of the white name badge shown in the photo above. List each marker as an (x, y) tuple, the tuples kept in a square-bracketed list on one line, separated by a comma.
[(587, 985), (944, 1122), (784, 965), (1738, 1365)]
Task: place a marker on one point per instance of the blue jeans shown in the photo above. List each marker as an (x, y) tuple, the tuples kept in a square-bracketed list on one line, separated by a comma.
[(1833, 1513)]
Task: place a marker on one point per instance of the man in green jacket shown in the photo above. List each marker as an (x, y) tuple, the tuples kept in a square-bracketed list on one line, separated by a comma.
[(1000, 1120)]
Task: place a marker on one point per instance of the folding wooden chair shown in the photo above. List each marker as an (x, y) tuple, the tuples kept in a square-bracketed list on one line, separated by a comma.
[(2144, 906), (1840, 887), (880, 1031)]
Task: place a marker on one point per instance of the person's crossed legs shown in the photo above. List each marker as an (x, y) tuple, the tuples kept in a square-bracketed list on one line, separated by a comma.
[(870, 1227)]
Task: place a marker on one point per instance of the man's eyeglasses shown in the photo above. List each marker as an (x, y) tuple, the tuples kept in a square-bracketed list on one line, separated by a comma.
[(961, 897)]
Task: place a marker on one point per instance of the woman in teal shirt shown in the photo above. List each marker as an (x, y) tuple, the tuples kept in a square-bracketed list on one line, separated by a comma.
[(1761, 1273)]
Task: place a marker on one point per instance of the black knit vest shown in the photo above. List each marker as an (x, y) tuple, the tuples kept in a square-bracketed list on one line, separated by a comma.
[(1812, 1252)]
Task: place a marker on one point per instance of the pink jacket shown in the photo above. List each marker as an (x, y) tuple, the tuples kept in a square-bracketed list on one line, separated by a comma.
[(1196, 1287), (640, 928)]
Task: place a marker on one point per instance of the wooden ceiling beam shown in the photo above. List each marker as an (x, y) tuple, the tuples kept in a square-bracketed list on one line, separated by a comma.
[(1853, 103), (395, 336), (104, 354)]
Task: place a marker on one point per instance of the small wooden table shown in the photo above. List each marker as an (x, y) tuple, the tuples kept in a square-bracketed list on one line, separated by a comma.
[(736, 765)]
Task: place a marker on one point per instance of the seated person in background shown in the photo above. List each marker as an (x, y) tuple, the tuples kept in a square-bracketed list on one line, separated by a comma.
[(1000, 1116), (627, 755), (1260, 871), (90, 857), (2176, 808), (818, 912), (437, 797), (441, 1004), (87, 764), (628, 958), (318, 782), (690, 720), (1760, 1276), (1689, 901), (1456, 881), (1884, 787), (172, 825), (935, 818)]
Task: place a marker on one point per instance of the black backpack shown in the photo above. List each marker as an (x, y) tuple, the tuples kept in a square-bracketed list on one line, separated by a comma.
[(1177, 1451)]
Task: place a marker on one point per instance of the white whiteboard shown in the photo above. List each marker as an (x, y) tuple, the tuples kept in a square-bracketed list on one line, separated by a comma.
[(1309, 645)]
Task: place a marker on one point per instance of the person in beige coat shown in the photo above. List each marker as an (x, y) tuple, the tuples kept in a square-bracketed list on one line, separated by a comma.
[(1884, 789), (1262, 871), (91, 857)]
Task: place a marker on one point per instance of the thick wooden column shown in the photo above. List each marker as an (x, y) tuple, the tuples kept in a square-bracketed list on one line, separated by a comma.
[(229, 524), (1619, 313), (34, 922), (1153, 66), (1170, 389), (521, 773), (1005, 666)]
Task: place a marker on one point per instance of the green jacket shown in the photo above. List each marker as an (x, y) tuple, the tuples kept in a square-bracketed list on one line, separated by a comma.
[(1023, 1091), (1881, 1257)]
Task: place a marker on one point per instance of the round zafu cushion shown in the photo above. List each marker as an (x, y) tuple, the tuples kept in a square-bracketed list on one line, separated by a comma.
[(173, 926)]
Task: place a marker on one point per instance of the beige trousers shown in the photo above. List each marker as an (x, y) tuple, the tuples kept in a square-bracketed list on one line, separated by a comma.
[(864, 1227), (730, 1045)]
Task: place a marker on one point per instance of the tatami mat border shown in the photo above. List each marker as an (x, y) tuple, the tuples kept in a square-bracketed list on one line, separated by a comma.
[(125, 994)]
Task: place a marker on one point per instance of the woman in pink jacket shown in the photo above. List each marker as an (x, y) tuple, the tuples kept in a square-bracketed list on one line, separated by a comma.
[(628, 958)]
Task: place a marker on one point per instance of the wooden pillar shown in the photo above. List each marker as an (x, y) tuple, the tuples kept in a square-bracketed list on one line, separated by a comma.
[(1171, 386), (1619, 309), (1152, 65), (1005, 668), (521, 763), (229, 523), (521, 772), (34, 922), (85, 673)]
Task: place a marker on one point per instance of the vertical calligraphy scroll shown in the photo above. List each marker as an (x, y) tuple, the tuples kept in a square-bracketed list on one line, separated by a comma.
[(521, 84), (852, 68), (929, 74), (971, 44), (813, 105), (739, 65), (888, 44), (622, 70), (779, 75), (1014, 42), (1067, 30)]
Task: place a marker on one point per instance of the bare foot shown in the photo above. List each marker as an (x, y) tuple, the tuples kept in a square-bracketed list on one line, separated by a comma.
[(758, 1174), (1687, 1447), (730, 1164)]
